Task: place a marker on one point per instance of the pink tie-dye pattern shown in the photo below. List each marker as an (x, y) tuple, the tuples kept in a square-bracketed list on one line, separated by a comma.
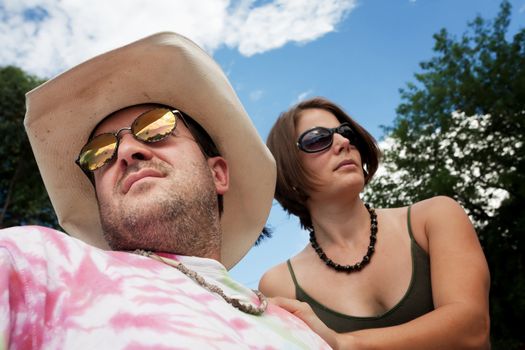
[(56, 292), (17, 299), (239, 324), (124, 320)]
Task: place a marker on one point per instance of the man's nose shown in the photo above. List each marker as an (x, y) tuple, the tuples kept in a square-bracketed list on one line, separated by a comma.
[(131, 150)]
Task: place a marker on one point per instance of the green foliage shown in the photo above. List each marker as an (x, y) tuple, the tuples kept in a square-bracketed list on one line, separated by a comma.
[(23, 198), (460, 131)]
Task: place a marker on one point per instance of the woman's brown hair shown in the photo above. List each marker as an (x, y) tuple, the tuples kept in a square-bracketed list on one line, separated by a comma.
[(293, 181)]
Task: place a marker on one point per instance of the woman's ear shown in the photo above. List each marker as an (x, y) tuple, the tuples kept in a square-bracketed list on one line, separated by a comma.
[(219, 172)]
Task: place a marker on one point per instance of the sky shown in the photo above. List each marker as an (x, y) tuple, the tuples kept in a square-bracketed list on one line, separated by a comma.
[(358, 53)]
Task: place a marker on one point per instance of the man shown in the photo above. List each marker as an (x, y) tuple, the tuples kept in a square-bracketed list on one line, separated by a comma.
[(171, 187)]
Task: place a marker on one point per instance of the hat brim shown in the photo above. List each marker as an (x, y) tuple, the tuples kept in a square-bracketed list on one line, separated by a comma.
[(168, 69)]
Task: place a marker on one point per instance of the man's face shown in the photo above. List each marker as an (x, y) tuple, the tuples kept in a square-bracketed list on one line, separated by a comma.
[(159, 196)]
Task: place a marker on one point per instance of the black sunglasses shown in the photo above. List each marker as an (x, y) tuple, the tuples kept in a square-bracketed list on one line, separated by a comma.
[(320, 138), (151, 126)]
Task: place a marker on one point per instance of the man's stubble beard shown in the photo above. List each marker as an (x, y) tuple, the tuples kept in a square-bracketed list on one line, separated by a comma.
[(182, 219)]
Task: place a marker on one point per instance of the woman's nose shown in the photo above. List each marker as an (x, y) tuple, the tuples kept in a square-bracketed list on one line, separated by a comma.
[(340, 142)]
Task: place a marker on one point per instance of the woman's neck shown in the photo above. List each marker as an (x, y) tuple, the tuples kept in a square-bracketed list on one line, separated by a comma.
[(340, 222)]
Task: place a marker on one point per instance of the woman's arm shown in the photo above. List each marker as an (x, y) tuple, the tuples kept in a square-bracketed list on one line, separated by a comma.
[(460, 287)]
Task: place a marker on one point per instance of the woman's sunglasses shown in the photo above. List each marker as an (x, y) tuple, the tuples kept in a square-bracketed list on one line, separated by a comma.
[(149, 127), (319, 138)]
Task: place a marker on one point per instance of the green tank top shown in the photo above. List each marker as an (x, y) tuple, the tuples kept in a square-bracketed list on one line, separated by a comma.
[(417, 300)]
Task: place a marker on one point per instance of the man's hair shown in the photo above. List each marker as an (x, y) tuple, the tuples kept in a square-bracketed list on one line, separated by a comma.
[(293, 180)]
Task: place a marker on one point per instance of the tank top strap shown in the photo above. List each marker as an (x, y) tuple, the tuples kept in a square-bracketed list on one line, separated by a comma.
[(409, 224), (290, 268)]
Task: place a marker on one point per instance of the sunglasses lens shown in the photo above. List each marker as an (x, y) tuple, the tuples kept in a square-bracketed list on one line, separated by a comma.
[(316, 140), (347, 132), (97, 152), (154, 125)]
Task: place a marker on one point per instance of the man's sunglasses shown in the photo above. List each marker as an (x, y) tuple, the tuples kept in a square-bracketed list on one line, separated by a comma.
[(149, 127), (319, 138)]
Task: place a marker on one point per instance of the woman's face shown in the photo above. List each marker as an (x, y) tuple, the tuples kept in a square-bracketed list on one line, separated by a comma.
[(338, 167)]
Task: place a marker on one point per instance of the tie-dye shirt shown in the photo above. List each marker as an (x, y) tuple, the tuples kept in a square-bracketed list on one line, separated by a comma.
[(57, 292)]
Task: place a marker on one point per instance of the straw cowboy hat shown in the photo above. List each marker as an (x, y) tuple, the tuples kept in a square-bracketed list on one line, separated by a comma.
[(168, 69)]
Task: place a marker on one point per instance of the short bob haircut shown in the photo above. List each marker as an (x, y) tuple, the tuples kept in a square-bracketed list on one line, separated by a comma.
[(293, 181)]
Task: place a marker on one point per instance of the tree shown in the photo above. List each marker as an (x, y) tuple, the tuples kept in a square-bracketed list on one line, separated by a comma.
[(23, 198), (460, 131)]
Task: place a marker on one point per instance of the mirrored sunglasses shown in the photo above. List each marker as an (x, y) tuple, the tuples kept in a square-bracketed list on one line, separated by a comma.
[(320, 138), (149, 127)]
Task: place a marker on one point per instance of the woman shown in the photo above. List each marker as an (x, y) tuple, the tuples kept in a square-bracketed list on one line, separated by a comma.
[(412, 277)]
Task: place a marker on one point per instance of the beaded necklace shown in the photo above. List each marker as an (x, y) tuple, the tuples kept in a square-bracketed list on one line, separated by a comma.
[(366, 259), (236, 303)]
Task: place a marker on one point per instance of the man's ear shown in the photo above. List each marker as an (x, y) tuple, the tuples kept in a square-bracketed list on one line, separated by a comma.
[(219, 172)]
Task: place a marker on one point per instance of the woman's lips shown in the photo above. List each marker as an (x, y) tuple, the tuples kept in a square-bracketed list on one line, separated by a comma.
[(344, 163)]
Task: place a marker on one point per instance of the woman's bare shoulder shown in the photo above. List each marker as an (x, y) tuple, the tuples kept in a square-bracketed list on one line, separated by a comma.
[(277, 281), (438, 203)]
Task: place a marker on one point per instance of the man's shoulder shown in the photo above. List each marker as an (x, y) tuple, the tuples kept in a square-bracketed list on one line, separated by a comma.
[(31, 231), (33, 236), (36, 250)]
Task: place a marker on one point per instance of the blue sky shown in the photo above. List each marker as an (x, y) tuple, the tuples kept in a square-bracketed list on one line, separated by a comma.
[(357, 53)]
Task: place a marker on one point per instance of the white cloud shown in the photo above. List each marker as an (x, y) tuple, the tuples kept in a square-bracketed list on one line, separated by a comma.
[(302, 96), (256, 95), (255, 30), (46, 36)]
